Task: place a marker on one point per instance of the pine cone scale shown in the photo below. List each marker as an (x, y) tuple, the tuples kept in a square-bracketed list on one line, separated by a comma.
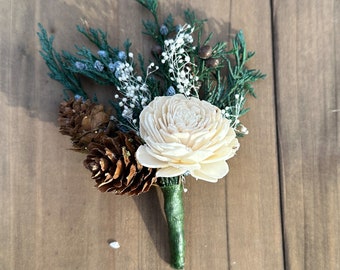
[(104, 164), (118, 169)]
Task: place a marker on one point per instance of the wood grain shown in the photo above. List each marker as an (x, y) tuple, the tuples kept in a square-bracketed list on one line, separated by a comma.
[(275, 209), (254, 224), (307, 79)]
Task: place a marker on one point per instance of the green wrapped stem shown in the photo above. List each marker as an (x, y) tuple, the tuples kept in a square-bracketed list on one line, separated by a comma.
[(173, 207)]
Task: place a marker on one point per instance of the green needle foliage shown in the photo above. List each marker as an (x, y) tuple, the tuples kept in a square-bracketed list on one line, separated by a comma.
[(58, 65)]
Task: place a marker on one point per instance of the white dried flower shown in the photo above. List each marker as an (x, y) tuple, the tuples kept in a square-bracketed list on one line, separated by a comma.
[(176, 56), (186, 135), (134, 90), (233, 113)]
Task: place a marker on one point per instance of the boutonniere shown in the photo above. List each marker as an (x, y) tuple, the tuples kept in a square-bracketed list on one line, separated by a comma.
[(175, 116)]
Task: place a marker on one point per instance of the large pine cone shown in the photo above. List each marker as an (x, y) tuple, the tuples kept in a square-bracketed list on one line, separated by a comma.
[(115, 168), (84, 121)]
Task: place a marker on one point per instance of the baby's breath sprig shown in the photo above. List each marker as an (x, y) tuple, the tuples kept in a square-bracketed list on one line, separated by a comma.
[(134, 91), (172, 51), (180, 68)]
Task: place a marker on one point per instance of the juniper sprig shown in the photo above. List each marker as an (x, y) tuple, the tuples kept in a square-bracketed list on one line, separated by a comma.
[(107, 66), (58, 65)]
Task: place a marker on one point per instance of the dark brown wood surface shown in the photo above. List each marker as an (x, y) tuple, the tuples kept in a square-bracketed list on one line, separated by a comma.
[(278, 208)]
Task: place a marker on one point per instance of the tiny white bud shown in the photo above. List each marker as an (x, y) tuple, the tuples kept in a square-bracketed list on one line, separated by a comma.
[(244, 129)]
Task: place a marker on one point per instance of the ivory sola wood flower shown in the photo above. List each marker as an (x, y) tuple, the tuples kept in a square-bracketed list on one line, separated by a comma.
[(185, 135)]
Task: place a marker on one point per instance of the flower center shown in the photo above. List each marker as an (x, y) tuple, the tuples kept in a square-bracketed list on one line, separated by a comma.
[(187, 119)]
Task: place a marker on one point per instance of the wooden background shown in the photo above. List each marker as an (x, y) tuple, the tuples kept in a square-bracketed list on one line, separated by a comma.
[(277, 209)]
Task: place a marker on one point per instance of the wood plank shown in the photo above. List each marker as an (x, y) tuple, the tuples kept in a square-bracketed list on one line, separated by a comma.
[(51, 217), (5, 204), (307, 73), (253, 205)]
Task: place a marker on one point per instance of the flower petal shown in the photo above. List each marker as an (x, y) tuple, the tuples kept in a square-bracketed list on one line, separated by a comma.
[(147, 160), (197, 156), (211, 172), (170, 172)]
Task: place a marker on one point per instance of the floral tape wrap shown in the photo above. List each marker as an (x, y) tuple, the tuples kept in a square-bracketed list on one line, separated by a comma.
[(173, 207)]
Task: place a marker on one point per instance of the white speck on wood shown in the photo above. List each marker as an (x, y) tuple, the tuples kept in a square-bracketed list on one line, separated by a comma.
[(114, 244)]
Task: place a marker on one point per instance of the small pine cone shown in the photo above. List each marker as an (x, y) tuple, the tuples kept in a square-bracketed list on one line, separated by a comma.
[(212, 62), (84, 121), (115, 168), (205, 52)]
